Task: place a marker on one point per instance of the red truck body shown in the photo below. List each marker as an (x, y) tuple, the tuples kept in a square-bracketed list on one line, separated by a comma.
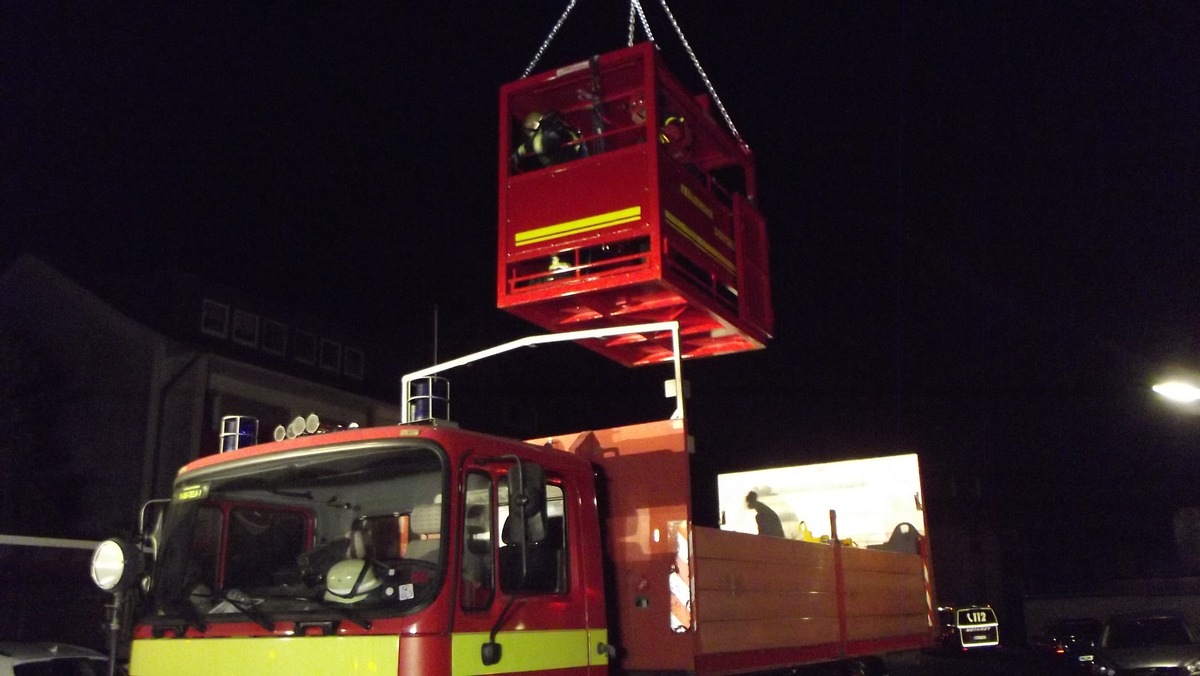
[(631, 583)]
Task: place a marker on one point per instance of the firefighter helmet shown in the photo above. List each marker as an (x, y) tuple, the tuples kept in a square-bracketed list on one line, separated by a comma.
[(533, 121), (676, 136), (350, 581), (549, 139), (675, 130)]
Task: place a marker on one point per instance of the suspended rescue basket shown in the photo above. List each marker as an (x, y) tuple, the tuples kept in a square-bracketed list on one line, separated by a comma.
[(623, 200)]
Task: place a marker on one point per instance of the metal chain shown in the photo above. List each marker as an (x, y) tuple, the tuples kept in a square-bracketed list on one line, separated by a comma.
[(703, 76), (636, 6), (553, 31), (629, 39)]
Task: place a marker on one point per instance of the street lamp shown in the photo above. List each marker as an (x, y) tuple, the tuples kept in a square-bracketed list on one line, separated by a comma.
[(1178, 391)]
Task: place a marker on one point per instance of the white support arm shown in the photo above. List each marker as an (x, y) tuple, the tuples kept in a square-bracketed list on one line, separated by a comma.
[(531, 341)]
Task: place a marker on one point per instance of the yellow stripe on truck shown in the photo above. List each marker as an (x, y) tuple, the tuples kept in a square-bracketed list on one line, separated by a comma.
[(597, 222), (528, 651), (692, 237), (285, 656)]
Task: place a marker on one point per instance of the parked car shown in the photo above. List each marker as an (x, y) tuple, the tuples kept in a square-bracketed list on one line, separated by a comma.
[(1069, 641), (50, 659), (969, 627), (1147, 643)]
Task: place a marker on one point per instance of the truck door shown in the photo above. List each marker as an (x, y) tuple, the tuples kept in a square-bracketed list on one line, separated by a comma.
[(537, 609)]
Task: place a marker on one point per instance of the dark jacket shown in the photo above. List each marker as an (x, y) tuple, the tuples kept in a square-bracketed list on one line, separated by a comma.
[(768, 520)]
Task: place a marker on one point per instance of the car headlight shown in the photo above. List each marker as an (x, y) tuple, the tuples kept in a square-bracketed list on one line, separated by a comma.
[(1102, 669), (1193, 667)]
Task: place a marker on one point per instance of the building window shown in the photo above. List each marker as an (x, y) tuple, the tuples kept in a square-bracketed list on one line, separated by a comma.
[(352, 363), (214, 319), (245, 328), (331, 356), (305, 350), (274, 339)]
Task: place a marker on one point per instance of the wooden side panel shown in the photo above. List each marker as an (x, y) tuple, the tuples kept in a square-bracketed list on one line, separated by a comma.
[(761, 593), (747, 635), (755, 592), (709, 601), (752, 605), (885, 594)]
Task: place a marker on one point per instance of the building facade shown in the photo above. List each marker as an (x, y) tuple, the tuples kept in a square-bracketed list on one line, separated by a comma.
[(99, 408)]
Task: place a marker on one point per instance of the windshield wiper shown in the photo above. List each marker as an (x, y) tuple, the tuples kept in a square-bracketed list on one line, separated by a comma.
[(188, 613), (345, 612), (244, 604)]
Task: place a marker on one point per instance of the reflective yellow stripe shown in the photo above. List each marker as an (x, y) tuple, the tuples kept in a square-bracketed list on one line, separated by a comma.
[(318, 655), (691, 197), (695, 239), (290, 656), (528, 651), (595, 637), (598, 222)]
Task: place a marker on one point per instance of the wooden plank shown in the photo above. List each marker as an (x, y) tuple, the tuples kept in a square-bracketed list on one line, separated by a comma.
[(859, 559), (719, 637), (874, 594), (889, 603), (713, 543), (753, 605), (876, 627), (874, 582), (735, 576), (866, 579)]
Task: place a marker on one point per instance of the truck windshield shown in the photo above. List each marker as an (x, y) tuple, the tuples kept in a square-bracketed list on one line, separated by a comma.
[(353, 531)]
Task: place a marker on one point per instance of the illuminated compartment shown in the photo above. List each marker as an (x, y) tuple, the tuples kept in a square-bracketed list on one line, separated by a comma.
[(628, 203)]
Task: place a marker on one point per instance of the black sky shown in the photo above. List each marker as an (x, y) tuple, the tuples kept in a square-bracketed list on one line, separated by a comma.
[(983, 215)]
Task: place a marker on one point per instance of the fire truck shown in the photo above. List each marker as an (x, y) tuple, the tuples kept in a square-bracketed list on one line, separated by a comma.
[(425, 548)]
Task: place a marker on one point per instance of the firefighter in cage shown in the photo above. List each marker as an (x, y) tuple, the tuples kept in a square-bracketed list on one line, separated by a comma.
[(548, 140)]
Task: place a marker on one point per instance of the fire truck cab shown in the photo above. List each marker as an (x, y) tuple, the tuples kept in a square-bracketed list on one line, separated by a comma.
[(412, 549)]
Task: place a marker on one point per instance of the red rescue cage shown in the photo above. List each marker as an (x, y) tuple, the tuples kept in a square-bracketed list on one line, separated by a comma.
[(622, 200)]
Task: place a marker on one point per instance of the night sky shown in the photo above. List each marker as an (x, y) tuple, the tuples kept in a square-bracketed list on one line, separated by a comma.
[(983, 215)]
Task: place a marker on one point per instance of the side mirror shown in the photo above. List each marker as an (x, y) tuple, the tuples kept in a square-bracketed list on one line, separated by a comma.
[(527, 497), (116, 565), (150, 523), (527, 485)]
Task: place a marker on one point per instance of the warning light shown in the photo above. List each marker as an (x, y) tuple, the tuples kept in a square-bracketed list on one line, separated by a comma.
[(238, 431)]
